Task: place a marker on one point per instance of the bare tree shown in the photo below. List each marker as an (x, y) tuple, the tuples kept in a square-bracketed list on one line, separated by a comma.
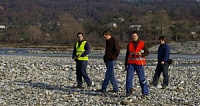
[(155, 24), (34, 34), (69, 28), (163, 21), (11, 36)]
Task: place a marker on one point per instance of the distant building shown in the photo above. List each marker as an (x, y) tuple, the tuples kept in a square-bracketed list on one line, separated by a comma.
[(193, 34), (80, 20), (2, 27), (120, 19), (112, 25), (137, 27)]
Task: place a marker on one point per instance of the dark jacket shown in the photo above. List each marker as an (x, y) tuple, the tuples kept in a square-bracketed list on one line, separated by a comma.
[(163, 53), (146, 51), (112, 50)]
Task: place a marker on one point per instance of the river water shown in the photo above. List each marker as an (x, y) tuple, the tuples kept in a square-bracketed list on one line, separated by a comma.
[(24, 52)]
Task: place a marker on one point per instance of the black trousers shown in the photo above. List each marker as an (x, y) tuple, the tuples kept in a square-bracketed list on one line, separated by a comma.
[(161, 68)]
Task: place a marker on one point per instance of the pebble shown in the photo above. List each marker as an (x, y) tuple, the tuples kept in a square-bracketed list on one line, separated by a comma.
[(34, 80)]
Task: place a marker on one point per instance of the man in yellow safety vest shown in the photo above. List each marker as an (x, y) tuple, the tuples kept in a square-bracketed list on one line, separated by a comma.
[(80, 55)]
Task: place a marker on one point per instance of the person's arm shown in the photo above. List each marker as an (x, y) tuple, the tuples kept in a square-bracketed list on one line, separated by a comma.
[(74, 52), (126, 57), (87, 50), (166, 53), (146, 51), (117, 50)]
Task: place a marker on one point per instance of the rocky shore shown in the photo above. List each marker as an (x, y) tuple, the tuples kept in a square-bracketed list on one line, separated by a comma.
[(43, 81), (188, 47)]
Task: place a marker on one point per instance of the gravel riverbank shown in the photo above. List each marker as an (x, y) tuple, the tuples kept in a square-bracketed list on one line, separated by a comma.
[(43, 81)]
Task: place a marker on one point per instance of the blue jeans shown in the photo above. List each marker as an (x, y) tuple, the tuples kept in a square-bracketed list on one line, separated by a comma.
[(81, 72), (141, 75), (159, 69), (110, 76)]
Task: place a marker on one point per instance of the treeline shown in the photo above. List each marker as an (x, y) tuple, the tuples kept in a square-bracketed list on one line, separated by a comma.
[(58, 21)]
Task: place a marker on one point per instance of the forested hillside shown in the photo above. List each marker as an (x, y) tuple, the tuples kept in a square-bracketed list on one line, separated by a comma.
[(58, 21)]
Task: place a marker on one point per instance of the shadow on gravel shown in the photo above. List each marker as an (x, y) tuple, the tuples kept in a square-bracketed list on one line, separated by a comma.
[(40, 85), (68, 89)]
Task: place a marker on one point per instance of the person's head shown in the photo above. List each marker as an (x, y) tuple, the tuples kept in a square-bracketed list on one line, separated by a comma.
[(107, 34), (80, 36), (134, 36), (162, 39)]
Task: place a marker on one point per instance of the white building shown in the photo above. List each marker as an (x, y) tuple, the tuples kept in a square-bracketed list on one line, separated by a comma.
[(136, 27), (2, 27), (112, 25)]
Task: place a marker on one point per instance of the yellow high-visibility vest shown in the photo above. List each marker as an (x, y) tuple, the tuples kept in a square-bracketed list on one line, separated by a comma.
[(80, 50)]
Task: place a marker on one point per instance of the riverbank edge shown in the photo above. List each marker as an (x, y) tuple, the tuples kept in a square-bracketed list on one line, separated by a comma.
[(188, 47)]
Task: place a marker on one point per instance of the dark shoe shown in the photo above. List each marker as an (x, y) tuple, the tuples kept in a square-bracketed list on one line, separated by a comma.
[(153, 84), (144, 95), (164, 86), (90, 85), (130, 92), (79, 86), (113, 91), (101, 90)]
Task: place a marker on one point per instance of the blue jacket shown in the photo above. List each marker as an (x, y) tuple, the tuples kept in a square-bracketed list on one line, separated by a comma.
[(163, 53)]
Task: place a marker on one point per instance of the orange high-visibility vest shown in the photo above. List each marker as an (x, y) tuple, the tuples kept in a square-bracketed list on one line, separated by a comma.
[(133, 57)]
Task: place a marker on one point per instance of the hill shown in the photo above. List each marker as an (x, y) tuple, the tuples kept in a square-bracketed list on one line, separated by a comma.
[(57, 21)]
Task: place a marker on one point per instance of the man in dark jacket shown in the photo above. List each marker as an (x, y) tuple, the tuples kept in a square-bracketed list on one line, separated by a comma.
[(162, 66), (111, 53)]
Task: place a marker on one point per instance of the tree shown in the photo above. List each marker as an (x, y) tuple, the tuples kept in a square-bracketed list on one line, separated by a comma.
[(34, 34), (176, 31), (69, 28), (155, 24), (11, 36), (162, 21)]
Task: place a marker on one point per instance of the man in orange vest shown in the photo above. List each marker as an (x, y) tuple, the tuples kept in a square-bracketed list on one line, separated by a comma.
[(134, 61)]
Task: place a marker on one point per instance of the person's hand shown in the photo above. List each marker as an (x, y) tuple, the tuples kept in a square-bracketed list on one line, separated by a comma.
[(162, 62), (79, 56), (139, 54), (75, 59)]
